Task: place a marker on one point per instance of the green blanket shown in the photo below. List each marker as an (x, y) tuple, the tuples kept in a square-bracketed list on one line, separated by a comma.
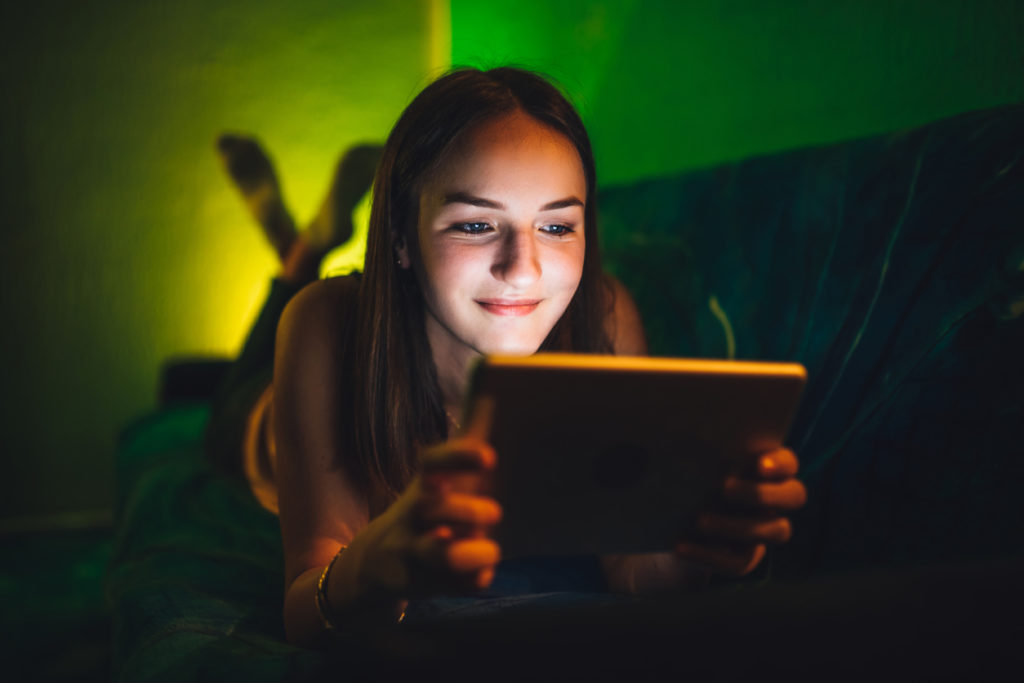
[(196, 580)]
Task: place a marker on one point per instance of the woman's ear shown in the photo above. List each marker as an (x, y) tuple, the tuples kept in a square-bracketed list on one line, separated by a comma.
[(402, 253)]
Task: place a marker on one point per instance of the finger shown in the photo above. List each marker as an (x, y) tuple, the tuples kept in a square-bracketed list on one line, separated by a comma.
[(786, 495), (473, 554), (481, 417), (458, 455), (438, 549), (745, 529), (459, 508), (484, 577), (772, 465), (778, 464), (735, 562)]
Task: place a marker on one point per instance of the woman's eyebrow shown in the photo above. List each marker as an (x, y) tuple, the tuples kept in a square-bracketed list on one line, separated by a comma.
[(562, 203), (473, 200)]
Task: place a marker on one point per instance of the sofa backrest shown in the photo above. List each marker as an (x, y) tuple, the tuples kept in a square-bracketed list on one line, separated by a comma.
[(893, 268)]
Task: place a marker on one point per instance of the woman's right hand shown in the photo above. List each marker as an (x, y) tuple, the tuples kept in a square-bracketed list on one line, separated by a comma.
[(434, 539)]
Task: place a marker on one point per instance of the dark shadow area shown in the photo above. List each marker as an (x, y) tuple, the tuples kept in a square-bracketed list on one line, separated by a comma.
[(57, 624)]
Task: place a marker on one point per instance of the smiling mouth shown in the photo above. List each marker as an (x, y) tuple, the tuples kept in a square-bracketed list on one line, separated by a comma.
[(509, 307)]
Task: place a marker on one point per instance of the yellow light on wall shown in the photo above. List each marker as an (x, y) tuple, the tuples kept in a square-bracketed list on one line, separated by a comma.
[(349, 256)]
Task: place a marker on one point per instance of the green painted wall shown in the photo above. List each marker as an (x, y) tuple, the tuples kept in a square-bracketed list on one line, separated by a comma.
[(666, 85), (121, 241)]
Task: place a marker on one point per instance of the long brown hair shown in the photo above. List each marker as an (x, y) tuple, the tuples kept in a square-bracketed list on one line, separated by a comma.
[(397, 402)]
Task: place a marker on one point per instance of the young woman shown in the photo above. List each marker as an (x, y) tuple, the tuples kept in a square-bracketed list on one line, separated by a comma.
[(483, 239)]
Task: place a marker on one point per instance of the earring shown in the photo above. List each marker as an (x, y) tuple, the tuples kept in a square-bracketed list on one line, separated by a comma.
[(397, 246)]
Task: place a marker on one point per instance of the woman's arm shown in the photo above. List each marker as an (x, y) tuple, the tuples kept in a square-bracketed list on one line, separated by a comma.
[(432, 538), (320, 507)]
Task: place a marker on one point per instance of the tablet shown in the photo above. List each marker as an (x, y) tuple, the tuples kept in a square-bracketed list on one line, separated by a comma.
[(614, 454)]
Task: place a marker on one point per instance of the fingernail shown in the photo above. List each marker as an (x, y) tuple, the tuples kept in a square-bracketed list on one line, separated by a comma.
[(485, 577), (769, 464)]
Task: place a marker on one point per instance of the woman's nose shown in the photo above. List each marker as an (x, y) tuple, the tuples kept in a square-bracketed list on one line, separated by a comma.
[(518, 262)]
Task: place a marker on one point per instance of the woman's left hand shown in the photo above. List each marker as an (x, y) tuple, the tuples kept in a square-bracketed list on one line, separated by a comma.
[(733, 538)]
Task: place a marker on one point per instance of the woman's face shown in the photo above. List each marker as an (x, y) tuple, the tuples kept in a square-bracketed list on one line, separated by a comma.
[(501, 239)]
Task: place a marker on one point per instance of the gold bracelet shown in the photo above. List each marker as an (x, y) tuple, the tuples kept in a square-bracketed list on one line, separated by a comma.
[(322, 606)]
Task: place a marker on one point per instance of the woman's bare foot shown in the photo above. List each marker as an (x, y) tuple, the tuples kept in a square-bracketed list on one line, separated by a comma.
[(253, 174), (352, 178)]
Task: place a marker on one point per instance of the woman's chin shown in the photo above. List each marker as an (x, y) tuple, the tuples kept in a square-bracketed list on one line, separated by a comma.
[(507, 347)]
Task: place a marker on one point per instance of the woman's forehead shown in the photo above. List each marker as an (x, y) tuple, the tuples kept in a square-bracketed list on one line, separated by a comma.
[(507, 153)]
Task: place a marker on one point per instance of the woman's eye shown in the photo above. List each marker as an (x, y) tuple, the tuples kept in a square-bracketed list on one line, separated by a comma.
[(472, 228), (557, 229)]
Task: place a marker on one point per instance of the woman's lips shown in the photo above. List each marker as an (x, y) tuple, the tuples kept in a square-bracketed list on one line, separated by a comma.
[(510, 307)]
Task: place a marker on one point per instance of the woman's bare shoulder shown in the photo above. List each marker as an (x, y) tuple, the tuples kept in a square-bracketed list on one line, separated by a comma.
[(623, 325), (321, 307)]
